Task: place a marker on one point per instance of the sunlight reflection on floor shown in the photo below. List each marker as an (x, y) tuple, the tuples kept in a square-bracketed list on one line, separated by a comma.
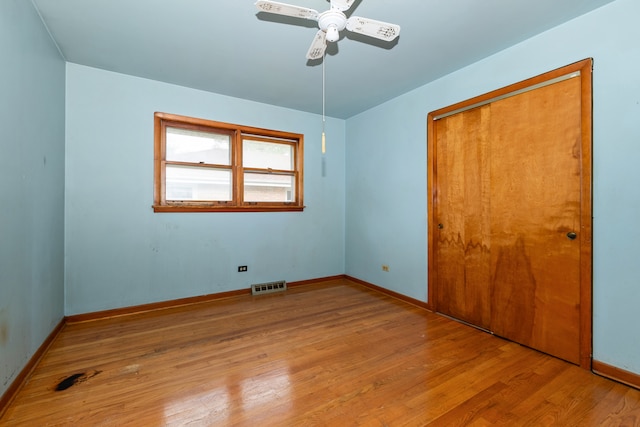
[(238, 395)]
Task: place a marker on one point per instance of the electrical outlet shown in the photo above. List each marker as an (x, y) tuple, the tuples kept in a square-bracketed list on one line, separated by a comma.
[(242, 268), (385, 268)]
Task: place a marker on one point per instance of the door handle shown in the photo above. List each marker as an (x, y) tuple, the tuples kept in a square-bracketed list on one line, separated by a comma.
[(572, 235)]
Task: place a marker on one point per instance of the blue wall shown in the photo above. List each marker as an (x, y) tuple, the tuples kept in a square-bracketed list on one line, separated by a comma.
[(386, 169), (31, 186), (119, 253)]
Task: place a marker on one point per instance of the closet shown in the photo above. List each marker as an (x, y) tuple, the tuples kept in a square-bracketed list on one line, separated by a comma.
[(509, 186)]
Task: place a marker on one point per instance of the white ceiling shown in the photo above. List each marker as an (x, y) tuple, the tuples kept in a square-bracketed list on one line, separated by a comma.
[(226, 47)]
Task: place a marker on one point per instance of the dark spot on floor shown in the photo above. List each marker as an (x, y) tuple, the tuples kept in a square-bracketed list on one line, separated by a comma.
[(74, 379), (69, 381)]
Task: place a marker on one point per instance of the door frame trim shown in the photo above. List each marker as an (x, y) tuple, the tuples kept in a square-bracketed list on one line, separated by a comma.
[(584, 70)]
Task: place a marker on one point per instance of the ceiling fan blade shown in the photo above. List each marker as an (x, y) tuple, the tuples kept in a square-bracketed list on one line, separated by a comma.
[(286, 9), (370, 27), (318, 46), (341, 5)]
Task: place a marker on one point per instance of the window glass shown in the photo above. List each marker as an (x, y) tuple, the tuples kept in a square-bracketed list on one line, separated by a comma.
[(260, 187), (267, 155), (194, 183), (184, 145)]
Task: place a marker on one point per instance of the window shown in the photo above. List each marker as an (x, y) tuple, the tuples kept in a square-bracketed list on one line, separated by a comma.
[(206, 166)]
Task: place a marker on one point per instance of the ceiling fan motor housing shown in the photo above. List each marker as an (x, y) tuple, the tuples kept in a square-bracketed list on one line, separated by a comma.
[(332, 22)]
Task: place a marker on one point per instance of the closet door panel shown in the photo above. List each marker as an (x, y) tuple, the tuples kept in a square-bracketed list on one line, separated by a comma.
[(535, 177), (463, 238)]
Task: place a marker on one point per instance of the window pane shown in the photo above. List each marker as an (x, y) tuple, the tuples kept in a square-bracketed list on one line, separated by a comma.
[(265, 155), (268, 188), (198, 147), (193, 183)]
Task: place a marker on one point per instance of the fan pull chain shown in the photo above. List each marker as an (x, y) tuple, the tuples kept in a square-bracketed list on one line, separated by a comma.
[(324, 144)]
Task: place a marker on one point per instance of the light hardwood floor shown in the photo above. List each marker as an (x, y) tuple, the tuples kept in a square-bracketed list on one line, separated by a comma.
[(332, 353)]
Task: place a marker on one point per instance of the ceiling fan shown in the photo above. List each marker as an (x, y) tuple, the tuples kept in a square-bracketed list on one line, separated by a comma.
[(331, 22)]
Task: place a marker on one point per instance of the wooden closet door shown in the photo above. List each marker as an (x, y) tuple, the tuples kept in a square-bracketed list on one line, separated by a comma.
[(510, 218), (463, 257), (535, 205)]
